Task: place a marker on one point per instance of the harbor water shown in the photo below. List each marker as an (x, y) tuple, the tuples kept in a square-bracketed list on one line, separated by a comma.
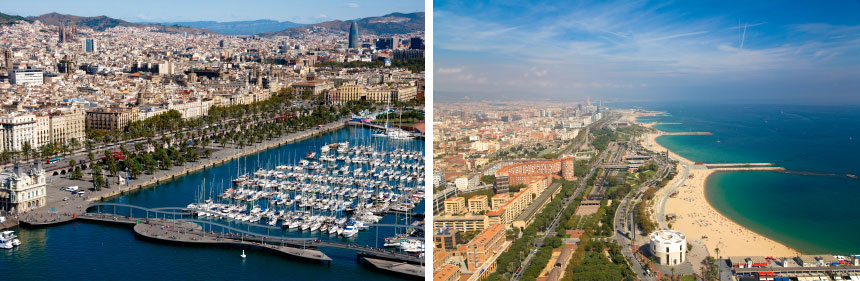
[(82, 250)]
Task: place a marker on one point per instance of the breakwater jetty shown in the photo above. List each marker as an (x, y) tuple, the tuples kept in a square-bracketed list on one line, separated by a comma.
[(688, 134)]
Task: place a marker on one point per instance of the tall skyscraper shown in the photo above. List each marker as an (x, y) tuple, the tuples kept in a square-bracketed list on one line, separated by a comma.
[(353, 35)]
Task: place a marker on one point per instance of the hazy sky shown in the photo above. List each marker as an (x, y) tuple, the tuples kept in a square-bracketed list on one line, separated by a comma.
[(217, 10), (746, 51)]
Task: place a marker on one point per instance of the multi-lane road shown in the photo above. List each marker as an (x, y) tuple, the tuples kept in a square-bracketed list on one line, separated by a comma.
[(625, 227)]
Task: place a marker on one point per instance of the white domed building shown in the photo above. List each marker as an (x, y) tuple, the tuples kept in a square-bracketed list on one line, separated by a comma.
[(669, 247)]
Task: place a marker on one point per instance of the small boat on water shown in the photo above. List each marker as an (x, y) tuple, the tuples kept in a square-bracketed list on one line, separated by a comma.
[(350, 231), (243, 254), (8, 240)]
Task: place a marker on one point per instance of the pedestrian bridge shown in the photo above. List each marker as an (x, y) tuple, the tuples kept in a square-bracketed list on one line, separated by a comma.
[(231, 232)]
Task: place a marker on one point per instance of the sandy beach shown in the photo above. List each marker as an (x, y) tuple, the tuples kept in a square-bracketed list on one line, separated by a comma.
[(698, 219)]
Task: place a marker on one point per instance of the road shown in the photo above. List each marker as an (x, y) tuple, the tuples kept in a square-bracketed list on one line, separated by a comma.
[(660, 211), (80, 155), (624, 220)]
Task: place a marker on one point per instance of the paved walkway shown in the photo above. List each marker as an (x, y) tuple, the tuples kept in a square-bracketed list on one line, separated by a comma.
[(62, 205)]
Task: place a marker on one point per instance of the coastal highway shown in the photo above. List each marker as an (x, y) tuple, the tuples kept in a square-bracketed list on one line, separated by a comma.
[(625, 213), (624, 220)]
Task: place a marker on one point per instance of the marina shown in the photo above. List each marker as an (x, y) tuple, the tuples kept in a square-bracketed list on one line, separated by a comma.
[(190, 189), (340, 192)]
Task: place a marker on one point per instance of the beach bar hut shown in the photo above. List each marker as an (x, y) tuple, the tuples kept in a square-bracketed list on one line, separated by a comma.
[(807, 261), (739, 262), (757, 261)]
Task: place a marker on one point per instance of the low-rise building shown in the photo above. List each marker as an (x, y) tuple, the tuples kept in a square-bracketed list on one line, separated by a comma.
[(17, 130), (111, 118), (19, 76), (478, 204), (22, 191), (486, 244), (669, 247), (461, 223), (455, 205), (446, 239), (448, 272)]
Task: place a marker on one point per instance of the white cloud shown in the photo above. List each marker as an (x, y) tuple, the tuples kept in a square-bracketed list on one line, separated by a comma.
[(448, 70), (352, 5), (625, 47)]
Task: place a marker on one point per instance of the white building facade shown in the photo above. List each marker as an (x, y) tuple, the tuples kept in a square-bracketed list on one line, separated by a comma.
[(19, 76), (669, 247), (22, 191)]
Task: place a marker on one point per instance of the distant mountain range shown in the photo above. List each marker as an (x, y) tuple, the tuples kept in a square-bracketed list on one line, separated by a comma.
[(394, 23), (101, 23), (239, 27), (10, 19)]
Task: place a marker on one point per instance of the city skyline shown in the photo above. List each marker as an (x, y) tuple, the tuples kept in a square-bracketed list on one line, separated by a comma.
[(221, 11), (646, 51)]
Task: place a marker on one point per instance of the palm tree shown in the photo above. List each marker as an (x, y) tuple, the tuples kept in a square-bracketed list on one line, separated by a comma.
[(26, 148), (73, 144)]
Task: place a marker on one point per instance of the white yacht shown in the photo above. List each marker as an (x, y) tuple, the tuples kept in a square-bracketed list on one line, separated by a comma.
[(350, 231), (8, 237)]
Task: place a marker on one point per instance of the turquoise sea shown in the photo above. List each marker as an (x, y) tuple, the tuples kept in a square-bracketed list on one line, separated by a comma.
[(96, 251), (814, 207)]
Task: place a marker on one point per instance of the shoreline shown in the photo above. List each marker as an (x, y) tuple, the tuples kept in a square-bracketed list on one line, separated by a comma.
[(698, 219)]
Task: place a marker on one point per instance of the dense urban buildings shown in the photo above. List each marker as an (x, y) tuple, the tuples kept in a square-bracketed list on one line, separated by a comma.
[(58, 85)]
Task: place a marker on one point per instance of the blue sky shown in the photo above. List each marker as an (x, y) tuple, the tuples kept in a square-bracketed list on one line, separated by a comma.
[(217, 10), (744, 51)]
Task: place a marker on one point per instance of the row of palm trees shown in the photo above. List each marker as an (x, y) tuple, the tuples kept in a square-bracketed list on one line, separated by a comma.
[(179, 141)]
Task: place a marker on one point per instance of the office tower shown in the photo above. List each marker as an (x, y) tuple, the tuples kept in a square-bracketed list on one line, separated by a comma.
[(89, 45), (353, 35), (416, 43), (385, 44)]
